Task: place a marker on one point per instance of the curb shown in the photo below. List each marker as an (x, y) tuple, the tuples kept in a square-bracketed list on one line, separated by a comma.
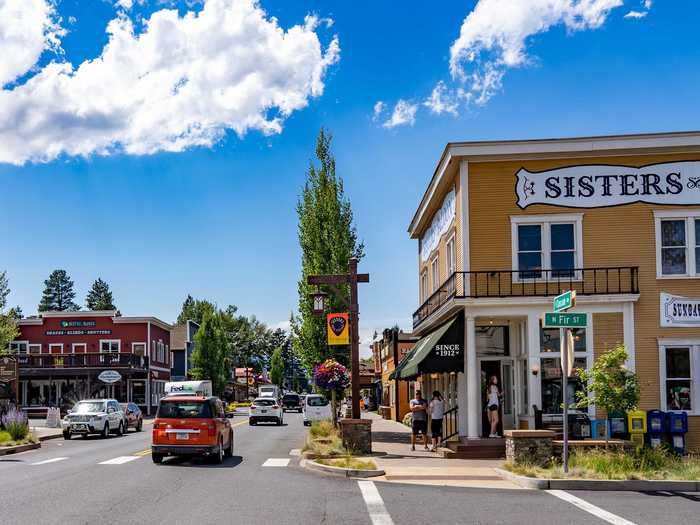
[(18, 448), (50, 436), (339, 471), (632, 485)]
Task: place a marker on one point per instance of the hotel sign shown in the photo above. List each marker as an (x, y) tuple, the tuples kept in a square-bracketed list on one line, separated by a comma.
[(597, 186), (679, 311)]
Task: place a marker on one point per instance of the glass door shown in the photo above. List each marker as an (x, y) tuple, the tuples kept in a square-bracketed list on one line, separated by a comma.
[(508, 382)]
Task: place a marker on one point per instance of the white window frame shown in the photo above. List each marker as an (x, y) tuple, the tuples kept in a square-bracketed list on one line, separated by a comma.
[(74, 345), (693, 346), (424, 286), (26, 345), (435, 267), (450, 259), (545, 222), (692, 267), (52, 345), (30, 345), (119, 345)]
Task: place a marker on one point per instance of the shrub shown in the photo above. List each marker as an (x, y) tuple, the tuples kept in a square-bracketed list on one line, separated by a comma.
[(15, 422)]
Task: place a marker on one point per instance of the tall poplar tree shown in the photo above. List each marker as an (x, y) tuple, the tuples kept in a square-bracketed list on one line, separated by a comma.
[(58, 293), (328, 239), (210, 356), (277, 368), (100, 297)]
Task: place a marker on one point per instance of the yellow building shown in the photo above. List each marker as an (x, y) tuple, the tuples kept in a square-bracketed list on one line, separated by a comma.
[(503, 227)]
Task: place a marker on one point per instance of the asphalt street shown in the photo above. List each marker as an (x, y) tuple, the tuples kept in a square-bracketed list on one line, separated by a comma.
[(114, 481)]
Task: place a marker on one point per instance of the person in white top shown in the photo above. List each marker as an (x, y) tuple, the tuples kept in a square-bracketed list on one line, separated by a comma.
[(493, 402), (437, 412)]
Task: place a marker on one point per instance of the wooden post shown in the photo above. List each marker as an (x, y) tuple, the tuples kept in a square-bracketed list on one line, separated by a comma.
[(354, 339)]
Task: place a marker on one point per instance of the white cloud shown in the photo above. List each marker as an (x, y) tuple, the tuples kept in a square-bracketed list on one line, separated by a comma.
[(283, 325), (494, 36), (379, 108), (404, 114), (182, 81), (27, 28), (441, 100), (646, 5)]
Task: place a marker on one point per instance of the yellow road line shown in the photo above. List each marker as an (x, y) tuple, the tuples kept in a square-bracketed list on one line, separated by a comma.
[(239, 423), (145, 452)]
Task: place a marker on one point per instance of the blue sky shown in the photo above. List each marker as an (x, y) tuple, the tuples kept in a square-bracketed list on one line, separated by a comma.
[(99, 177)]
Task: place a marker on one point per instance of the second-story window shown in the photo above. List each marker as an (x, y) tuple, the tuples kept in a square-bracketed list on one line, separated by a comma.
[(424, 285), (451, 263), (111, 346), (435, 271), (677, 243)]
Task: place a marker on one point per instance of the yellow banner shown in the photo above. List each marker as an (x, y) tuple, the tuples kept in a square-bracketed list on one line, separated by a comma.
[(338, 329)]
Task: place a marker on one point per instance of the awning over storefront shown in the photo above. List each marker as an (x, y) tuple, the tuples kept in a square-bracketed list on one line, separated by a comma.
[(440, 351)]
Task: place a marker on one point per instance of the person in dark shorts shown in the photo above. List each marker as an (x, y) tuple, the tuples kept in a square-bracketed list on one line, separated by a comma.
[(419, 409), (437, 412)]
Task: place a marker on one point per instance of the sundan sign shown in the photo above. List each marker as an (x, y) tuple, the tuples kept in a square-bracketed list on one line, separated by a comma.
[(597, 186), (679, 311), (439, 225)]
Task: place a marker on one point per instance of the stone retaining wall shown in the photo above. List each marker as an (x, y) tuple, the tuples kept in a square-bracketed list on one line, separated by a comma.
[(357, 435), (533, 447)]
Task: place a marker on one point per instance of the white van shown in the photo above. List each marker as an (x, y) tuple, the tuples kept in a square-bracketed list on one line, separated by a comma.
[(269, 391), (316, 408), (189, 388)]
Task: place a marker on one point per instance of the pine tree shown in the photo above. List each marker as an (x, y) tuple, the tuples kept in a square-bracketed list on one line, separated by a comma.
[(328, 239), (100, 297), (210, 356), (58, 293)]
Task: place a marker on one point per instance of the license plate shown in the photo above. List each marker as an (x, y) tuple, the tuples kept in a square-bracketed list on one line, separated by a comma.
[(182, 435), (263, 411)]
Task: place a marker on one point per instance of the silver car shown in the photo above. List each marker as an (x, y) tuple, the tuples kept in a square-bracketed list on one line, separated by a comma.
[(94, 416)]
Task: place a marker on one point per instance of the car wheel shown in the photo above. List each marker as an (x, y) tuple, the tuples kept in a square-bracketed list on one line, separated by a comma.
[(157, 458), (105, 431), (251, 422), (279, 421), (218, 458), (139, 425), (229, 449), (120, 430), (66, 435)]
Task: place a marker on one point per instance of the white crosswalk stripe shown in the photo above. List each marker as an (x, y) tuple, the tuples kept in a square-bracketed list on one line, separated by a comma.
[(375, 504), (276, 462), (119, 461), (47, 461), (590, 508)]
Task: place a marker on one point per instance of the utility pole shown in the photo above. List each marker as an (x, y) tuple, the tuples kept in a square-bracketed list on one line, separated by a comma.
[(351, 278)]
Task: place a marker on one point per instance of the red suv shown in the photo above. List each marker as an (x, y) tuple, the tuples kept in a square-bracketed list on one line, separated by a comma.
[(191, 426)]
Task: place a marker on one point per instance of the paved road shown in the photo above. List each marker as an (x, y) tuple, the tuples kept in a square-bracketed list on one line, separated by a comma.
[(69, 482)]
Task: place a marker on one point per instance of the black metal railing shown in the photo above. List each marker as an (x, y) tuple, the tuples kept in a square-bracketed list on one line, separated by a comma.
[(83, 360), (450, 425), (530, 283)]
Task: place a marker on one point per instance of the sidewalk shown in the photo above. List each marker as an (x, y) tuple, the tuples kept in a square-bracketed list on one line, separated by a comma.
[(42, 432), (392, 441)]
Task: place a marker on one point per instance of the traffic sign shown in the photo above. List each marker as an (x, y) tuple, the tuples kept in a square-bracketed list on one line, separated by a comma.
[(565, 320), (565, 301)]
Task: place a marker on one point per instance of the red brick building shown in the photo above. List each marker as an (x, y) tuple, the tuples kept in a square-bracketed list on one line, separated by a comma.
[(62, 354)]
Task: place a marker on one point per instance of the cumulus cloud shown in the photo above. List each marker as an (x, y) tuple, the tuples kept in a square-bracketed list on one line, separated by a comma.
[(494, 36), (179, 82), (404, 114), (379, 108), (27, 28), (442, 101)]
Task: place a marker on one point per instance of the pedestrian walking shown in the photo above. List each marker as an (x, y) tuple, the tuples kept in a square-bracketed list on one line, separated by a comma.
[(437, 412), (419, 409), (493, 402)]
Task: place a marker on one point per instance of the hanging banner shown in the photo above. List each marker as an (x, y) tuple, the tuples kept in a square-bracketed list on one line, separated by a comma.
[(597, 186), (679, 311), (338, 329)]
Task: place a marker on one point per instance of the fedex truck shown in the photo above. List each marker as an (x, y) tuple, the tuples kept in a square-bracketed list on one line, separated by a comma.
[(188, 388)]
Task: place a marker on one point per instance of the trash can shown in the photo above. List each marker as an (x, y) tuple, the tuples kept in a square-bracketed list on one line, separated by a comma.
[(599, 428), (657, 427), (579, 426), (618, 425), (678, 427), (637, 426)]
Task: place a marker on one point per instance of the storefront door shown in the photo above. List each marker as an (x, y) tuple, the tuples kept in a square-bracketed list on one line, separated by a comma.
[(508, 382), (503, 369)]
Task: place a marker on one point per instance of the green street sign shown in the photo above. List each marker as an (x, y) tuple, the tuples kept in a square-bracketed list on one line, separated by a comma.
[(565, 301), (564, 320)]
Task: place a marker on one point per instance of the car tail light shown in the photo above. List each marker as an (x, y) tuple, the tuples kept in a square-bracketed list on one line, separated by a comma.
[(253, 407), (212, 430), (275, 407), (156, 426)]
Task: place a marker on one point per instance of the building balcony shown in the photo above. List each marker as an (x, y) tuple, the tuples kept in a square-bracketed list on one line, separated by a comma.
[(83, 361), (614, 280)]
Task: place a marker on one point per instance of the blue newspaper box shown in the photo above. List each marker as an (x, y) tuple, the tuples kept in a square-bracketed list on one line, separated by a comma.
[(657, 427), (678, 427), (599, 428)]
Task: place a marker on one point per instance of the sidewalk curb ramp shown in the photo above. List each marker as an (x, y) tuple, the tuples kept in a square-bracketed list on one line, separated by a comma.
[(632, 485), (339, 471), (18, 448)]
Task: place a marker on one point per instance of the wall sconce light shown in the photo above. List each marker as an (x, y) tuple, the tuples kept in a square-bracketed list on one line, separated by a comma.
[(535, 369)]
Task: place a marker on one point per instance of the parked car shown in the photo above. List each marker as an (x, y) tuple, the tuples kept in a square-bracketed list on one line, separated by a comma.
[(316, 408), (291, 402), (132, 416), (191, 426), (94, 416), (265, 409)]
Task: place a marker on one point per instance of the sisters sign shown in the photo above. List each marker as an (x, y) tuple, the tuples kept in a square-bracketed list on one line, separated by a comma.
[(596, 186)]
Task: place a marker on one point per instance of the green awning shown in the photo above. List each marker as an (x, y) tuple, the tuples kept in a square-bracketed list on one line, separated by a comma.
[(424, 358)]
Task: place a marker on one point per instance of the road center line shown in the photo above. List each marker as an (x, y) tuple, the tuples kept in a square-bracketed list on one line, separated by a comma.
[(375, 505), (240, 423), (119, 461), (590, 508), (52, 460)]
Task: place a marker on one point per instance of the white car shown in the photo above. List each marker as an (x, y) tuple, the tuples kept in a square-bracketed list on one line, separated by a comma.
[(316, 408), (94, 416), (265, 409)]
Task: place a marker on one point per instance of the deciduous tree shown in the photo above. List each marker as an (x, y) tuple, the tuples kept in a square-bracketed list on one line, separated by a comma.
[(277, 368), (8, 325)]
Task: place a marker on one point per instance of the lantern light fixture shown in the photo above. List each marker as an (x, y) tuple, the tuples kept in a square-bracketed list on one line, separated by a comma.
[(319, 301)]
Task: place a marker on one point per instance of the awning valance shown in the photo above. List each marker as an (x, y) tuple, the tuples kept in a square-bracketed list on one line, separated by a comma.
[(440, 351)]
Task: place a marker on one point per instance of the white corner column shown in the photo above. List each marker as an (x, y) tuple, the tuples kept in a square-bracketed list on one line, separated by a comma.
[(628, 334), (533, 359), (473, 379)]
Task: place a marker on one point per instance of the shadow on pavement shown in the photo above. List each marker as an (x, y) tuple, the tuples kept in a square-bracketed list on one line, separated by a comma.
[(182, 461), (684, 495), (391, 437)]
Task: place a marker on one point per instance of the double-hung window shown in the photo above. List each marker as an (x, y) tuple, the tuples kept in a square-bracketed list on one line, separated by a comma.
[(110, 346), (677, 243), (435, 271), (19, 347), (450, 260), (546, 246), (424, 285), (679, 370)]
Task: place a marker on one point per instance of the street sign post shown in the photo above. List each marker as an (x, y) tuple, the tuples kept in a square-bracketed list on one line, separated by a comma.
[(565, 320), (565, 301)]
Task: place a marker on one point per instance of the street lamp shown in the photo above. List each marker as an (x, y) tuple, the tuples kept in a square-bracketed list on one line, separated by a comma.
[(319, 299)]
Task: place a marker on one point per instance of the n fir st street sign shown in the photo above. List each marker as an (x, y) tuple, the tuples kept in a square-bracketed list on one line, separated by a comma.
[(565, 320), (565, 301)]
